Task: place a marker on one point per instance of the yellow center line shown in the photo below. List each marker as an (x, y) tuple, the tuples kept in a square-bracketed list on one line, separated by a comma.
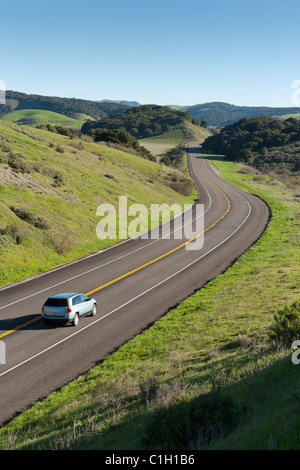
[(23, 325), (18, 327), (168, 252)]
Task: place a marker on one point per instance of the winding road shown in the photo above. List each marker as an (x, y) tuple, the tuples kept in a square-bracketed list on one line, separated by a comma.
[(134, 282)]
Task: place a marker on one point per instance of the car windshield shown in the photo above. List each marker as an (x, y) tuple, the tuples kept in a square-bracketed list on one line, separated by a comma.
[(54, 302)]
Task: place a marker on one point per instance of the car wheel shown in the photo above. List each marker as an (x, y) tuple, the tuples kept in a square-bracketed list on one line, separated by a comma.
[(94, 311), (75, 320)]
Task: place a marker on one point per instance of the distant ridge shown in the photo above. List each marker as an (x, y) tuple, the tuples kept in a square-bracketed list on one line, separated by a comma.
[(71, 107), (215, 113), (220, 114), (126, 103)]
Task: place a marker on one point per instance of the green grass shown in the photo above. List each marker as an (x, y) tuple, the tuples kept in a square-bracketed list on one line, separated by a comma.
[(160, 144), (178, 107), (35, 117), (211, 349), (286, 116), (88, 175)]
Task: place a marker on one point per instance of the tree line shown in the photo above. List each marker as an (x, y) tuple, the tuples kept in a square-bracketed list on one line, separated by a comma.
[(259, 141), (221, 114), (70, 107), (143, 121)]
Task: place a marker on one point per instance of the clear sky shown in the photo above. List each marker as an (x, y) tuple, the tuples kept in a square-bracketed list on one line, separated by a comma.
[(160, 51)]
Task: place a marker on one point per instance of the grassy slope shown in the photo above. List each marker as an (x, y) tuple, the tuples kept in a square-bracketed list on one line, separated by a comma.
[(92, 175), (159, 145), (286, 116), (34, 117), (214, 340)]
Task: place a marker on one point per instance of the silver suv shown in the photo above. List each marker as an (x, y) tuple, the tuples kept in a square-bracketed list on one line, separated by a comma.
[(67, 308)]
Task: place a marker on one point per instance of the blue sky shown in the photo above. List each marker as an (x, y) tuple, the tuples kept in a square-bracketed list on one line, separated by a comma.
[(164, 52)]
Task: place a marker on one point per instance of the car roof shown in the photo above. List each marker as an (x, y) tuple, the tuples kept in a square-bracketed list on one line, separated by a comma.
[(65, 295)]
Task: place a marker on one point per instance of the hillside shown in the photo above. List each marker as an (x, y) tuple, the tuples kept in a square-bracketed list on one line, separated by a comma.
[(220, 114), (71, 107), (260, 141), (144, 121), (36, 117), (51, 186), (160, 144)]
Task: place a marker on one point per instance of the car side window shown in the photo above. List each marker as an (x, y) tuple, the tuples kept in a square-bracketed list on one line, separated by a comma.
[(76, 300), (82, 298)]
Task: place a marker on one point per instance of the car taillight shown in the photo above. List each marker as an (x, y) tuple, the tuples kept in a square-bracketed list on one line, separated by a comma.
[(43, 308), (69, 310)]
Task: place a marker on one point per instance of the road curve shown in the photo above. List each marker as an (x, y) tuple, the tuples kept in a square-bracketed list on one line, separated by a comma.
[(134, 283)]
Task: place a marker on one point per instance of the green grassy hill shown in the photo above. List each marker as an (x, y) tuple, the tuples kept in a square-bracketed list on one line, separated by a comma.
[(160, 144), (35, 117), (50, 188), (144, 121)]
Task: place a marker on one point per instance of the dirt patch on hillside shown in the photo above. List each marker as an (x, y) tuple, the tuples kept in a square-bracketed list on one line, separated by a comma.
[(23, 180)]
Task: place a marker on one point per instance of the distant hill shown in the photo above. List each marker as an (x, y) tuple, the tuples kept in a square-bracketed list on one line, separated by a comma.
[(127, 103), (71, 107), (36, 117), (158, 145), (221, 114), (143, 121)]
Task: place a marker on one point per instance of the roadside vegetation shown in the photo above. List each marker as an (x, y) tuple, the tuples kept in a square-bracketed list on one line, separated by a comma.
[(263, 142), (210, 374)]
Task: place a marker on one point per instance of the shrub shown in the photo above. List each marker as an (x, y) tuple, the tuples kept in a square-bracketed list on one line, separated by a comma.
[(183, 186), (62, 242), (110, 177), (13, 234), (78, 144), (195, 423), (30, 217), (286, 326), (19, 163), (60, 149), (58, 179)]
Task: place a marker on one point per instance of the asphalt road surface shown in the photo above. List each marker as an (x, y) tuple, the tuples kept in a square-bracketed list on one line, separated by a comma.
[(134, 283)]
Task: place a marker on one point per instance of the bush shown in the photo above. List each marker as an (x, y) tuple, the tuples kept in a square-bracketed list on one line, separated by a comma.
[(58, 179), (19, 163), (183, 186), (30, 217), (286, 326), (13, 234), (195, 423), (62, 242), (60, 149)]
